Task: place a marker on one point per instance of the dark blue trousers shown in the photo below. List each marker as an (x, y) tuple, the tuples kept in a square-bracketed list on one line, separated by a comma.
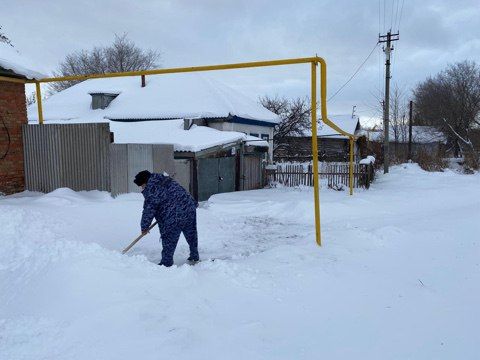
[(171, 234)]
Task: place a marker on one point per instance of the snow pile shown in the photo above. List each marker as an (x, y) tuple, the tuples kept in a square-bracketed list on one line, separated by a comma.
[(10, 59), (397, 275), (368, 160)]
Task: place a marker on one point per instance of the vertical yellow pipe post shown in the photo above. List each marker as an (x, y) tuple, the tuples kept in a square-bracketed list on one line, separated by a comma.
[(351, 165), (315, 153), (39, 103)]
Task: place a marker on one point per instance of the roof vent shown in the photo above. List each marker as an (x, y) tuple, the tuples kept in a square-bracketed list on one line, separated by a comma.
[(102, 100)]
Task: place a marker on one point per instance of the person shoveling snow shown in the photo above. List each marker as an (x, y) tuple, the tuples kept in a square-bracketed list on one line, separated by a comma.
[(175, 211)]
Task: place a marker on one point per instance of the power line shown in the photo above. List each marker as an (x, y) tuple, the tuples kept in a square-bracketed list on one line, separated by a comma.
[(396, 15), (391, 16), (379, 16), (355, 73), (400, 18), (384, 6)]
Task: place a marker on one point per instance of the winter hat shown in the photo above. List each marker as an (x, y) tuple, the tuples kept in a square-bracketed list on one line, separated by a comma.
[(142, 177)]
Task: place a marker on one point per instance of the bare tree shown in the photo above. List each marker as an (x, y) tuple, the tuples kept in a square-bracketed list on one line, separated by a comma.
[(4, 38), (294, 119), (31, 98), (398, 115), (122, 55), (450, 101), (398, 119)]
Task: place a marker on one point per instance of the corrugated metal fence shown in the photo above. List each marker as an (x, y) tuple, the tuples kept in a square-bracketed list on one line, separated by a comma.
[(67, 155), (81, 157)]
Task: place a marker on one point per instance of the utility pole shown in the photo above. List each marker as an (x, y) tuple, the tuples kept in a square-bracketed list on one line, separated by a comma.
[(354, 107), (410, 131), (389, 38)]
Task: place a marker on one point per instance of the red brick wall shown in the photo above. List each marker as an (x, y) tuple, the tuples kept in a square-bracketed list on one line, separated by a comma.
[(13, 112)]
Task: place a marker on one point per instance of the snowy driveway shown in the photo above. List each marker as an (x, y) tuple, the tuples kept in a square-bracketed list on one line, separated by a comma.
[(397, 278)]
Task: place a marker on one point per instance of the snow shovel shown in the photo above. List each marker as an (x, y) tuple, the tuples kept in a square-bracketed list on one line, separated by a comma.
[(138, 238)]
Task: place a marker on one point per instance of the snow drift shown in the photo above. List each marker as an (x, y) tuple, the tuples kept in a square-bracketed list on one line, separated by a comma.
[(397, 276)]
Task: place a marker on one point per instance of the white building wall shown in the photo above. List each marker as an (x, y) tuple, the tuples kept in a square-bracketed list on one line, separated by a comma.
[(247, 129)]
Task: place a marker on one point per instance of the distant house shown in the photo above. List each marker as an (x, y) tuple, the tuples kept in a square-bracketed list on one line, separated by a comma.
[(332, 146), (424, 139), (220, 136), (14, 69)]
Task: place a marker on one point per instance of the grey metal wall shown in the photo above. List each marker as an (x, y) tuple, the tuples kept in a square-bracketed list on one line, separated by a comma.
[(67, 155), (182, 173), (127, 160)]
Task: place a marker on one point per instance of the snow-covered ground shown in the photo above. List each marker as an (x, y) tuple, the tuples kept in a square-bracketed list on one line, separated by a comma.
[(398, 276)]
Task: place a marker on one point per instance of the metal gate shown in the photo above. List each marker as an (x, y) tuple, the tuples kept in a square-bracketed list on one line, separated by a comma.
[(215, 175)]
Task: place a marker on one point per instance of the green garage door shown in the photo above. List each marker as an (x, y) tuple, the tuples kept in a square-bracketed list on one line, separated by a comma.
[(215, 175)]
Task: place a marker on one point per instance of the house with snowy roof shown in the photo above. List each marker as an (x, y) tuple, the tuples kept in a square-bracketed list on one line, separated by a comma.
[(425, 139), (220, 137), (332, 146), (155, 109), (14, 70)]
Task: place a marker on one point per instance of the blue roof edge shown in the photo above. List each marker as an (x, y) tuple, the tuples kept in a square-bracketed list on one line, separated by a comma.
[(241, 120)]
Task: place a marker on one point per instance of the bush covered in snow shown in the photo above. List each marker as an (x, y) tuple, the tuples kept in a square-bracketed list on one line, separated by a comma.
[(429, 162)]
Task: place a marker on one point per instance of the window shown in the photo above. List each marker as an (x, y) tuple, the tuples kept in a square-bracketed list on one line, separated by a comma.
[(253, 134), (265, 137)]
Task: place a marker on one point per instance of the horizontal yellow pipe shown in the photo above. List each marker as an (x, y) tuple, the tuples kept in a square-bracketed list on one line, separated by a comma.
[(184, 69)]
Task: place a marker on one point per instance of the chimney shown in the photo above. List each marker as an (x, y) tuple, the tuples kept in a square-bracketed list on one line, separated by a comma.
[(102, 100), (143, 80)]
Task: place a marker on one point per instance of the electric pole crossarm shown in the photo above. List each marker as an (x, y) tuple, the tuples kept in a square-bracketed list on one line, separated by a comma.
[(384, 38)]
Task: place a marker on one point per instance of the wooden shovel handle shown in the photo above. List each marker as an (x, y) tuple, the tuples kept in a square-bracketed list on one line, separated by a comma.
[(138, 238)]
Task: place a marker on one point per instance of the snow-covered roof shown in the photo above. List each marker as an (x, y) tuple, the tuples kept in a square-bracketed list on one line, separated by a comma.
[(345, 122), (171, 96), (420, 135), (10, 59), (165, 97), (195, 139)]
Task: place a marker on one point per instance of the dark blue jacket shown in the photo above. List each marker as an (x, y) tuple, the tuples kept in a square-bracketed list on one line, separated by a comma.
[(166, 201)]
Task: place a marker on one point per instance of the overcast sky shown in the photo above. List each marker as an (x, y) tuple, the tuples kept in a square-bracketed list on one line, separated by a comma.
[(200, 32)]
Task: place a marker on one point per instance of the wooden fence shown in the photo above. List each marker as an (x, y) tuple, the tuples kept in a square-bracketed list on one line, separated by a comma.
[(335, 174)]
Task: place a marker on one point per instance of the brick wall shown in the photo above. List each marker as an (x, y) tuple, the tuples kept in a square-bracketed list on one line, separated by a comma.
[(13, 112)]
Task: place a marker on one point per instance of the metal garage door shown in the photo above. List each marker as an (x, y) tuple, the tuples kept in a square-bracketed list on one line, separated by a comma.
[(215, 175)]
